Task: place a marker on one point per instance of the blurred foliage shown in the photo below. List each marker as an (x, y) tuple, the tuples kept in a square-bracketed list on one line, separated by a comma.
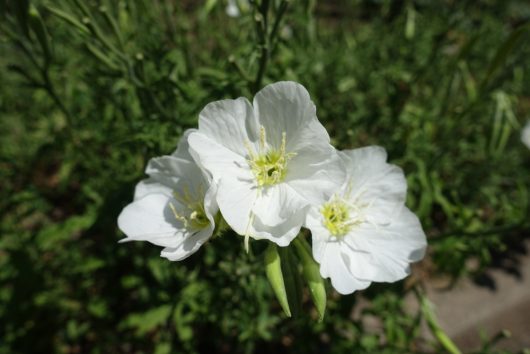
[(90, 90)]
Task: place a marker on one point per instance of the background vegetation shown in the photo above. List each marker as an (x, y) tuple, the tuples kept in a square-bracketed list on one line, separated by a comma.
[(90, 90)]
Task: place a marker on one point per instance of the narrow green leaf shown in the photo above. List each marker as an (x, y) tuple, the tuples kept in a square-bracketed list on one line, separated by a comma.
[(469, 81), (84, 9), (273, 269), (311, 272), (98, 54), (111, 22), (504, 50), (410, 25), (208, 7), (21, 8), (22, 71), (37, 25), (68, 18)]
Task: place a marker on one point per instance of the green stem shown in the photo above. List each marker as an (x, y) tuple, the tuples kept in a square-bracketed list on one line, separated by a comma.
[(267, 39), (281, 11), (261, 31), (437, 331), (48, 86), (232, 60), (263, 60)]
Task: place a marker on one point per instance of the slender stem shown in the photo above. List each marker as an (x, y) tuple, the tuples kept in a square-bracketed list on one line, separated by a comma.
[(263, 60), (43, 71), (261, 31), (428, 313), (48, 86), (232, 60), (281, 11), (266, 38)]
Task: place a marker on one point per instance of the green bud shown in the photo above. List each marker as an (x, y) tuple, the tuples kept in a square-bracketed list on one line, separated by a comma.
[(293, 281), (273, 269), (312, 276)]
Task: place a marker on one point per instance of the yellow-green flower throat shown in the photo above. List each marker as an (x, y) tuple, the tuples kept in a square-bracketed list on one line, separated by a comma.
[(269, 165)]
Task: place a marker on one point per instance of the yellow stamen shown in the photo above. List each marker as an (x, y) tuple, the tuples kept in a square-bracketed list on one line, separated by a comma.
[(178, 216), (196, 219), (338, 218), (269, 166)]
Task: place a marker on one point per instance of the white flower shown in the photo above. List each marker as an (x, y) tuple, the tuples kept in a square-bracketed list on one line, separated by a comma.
[(268, 159), (525, 135), (174, 208), (363, 232)]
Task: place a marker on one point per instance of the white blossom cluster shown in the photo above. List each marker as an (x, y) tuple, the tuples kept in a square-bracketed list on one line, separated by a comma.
[(267, 169)]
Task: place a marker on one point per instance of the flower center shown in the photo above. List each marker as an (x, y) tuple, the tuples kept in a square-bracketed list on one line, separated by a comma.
[(338, 218), (195, 216), (268, 165), (198, 218)]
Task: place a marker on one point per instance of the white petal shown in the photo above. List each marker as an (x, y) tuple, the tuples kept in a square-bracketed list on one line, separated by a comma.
[(229, 123), (177, 173), (182, 150), (236, 190), (361, 263), (277, 203), (236, 199), (333, 267), (279, 213), (374, 183), (285, 107), (150, 186), (150, 219), (316, 174), (218, 159), (281, 234), (319, 233), (334, 257), (189, 246), (210, 203), (392, 247)]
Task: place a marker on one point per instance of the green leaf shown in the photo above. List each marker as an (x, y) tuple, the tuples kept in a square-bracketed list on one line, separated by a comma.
[(504, 50), (311, 272), (147, 321), (50, 236), (68, 18), (208, 7), (274, 273), (37, 25), (21, 8), (105, 59)]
